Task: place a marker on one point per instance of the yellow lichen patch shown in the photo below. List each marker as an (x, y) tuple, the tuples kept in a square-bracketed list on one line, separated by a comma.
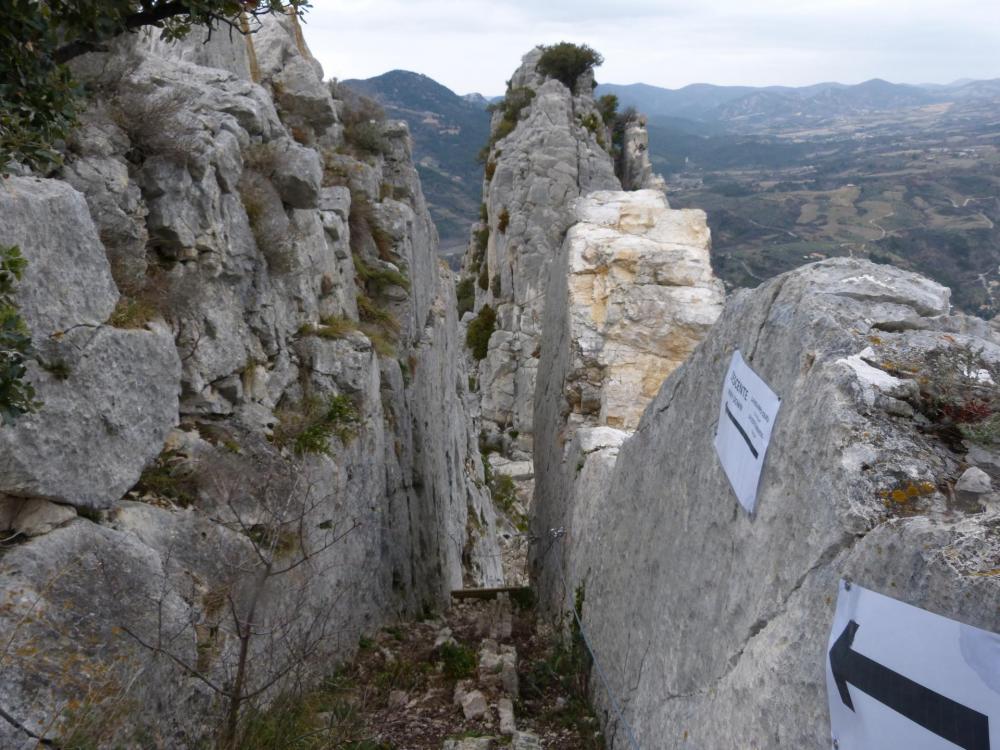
[(906, 493)]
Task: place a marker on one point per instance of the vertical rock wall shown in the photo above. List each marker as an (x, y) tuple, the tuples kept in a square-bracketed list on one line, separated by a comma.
[(533, 175), (631, 294), (217, 271), (712, 624)]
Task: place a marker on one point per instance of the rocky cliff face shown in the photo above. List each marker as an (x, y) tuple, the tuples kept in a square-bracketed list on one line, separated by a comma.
[(711, 624), (533, 174), (550, 147), (254, 436)]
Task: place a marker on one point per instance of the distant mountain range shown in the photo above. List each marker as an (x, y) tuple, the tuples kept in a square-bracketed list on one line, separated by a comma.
[(448, 130), (736, 108), (716, 126)]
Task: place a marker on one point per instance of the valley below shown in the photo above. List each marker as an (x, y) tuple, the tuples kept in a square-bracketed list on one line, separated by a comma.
[(915, 187)]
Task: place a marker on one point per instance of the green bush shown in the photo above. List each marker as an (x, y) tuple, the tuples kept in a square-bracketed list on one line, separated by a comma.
[(566, 62), (510, 107), (592, 123), (38, 97), (366, 138), (363, 121), (308, 427), (378, 279), (484, 277), (607, 105), (465, 294), (17, 395), (459, 661), (503, 220), (477, 338)]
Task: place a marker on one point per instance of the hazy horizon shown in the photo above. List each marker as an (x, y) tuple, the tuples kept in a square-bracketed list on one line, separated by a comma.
[(489, 95), (474, 46)]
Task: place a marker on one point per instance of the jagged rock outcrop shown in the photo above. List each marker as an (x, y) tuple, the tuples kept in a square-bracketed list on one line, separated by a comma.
[(636, 169), (533, 175), (109, 395), (253, 391), (549, 147), (631, 294), (711, 624)]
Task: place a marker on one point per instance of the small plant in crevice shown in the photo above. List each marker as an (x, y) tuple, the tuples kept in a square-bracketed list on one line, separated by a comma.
[(17, 395), (503, 221), (171, 477), (459, 661), (484, 277), (481, 328), (308, 427), (57, 368), (132, 313), (377, 279), (465, 295), (330, 327), (959, 392), (495, 286)]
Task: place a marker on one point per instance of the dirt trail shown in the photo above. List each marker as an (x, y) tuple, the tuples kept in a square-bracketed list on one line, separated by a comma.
[(486, 675)]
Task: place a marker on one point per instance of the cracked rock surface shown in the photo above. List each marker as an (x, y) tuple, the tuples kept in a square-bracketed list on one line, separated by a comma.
[(712, 624)]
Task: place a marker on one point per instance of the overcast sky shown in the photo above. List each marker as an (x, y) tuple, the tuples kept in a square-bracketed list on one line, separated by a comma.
[(474, 45)]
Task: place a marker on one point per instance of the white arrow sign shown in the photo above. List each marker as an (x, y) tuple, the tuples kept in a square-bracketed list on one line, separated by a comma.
[(900, 677), (746, 417)]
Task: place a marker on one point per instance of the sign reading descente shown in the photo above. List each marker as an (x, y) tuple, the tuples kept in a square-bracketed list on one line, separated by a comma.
[(900, 677), (746, 418)]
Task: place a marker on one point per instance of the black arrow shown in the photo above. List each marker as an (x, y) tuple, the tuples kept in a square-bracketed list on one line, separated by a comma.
[(944, 717)]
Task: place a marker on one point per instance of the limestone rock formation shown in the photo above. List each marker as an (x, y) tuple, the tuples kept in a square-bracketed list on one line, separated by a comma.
[(533, 175), (109, 395), (253, 391), (636, 168), (632, 292), (549, 147), (712, 624)]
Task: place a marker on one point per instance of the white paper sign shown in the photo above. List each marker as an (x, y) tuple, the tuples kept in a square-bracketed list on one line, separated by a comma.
[(746, 417), (900, 677)]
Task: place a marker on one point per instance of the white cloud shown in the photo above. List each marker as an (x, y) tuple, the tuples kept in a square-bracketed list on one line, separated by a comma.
[(474, 45)]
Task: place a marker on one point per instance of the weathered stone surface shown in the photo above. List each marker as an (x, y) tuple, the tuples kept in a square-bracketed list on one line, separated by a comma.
[(208, 190), (641, 296), (297, 175), (109, 397), (33, 517), (99, 426), (470, 743), (526, 741), (547, 161), (505, 716), (474, 705), (974, 480), (68, 279), (636, 168), (713, 624)]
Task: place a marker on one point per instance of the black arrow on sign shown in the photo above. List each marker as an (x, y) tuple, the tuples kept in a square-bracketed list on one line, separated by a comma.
[(944, 717)]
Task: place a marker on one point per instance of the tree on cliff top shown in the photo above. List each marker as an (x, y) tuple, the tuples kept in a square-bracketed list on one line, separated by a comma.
[(38, 37), (566, 62)]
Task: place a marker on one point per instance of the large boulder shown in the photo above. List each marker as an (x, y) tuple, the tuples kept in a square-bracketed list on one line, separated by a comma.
[(711, 623), (109, 396)]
